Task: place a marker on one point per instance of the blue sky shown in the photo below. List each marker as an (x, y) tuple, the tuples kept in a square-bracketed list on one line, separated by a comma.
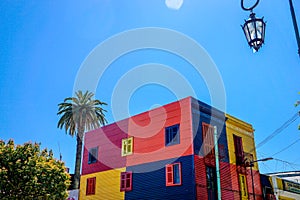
[(44, 43)]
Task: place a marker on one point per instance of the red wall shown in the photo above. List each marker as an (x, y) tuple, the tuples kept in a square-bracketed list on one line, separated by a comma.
[(229, 179), (148, 130), (201, 179), (109, 142), (235, 170), (257, 184)]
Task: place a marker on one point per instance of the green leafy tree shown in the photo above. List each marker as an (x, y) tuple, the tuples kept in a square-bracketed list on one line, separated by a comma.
[(26, 172), (79, 114)]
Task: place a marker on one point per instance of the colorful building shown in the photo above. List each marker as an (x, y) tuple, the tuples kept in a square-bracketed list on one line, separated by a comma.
[(281, 186), (169, 153), (241, 149)]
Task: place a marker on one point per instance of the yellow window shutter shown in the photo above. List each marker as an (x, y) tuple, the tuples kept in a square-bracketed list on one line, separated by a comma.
[(127, 146), (130, 146), (243, 186), (124, 147)]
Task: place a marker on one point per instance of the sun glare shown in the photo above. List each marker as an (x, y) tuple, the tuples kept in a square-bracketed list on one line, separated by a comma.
[(174, 4)]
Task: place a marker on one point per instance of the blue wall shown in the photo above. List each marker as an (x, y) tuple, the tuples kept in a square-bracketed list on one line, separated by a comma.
[(152, 185), (202, 112)]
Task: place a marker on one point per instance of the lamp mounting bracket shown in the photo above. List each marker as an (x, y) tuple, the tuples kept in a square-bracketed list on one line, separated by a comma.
[(250, 8)]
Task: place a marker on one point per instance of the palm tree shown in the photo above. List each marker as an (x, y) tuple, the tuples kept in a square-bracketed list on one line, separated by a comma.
[(79, 114)]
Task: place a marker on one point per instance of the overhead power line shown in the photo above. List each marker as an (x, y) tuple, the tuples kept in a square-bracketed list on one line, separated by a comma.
[(277, 131), (285, 148), (289, 163)]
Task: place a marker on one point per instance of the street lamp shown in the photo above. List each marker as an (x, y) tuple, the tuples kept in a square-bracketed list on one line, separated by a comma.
[(254, 28), (252, 165), (295, 25)]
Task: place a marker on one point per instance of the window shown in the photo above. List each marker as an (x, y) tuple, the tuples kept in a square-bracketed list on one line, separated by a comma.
[(239, 153), (173, 174), (211, 179), (90, 186), (208, 139), (127, 146), (243, 187), (172, 135), (126, 181), (93, 155)]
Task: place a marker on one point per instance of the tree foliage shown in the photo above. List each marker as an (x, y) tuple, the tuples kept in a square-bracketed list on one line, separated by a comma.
[(79, 114), (81, 111), (27, 172)]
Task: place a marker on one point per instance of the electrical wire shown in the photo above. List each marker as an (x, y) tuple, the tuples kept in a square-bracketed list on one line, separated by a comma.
[(289, 163), (266, 166), (276, 166), (279, 130), (285, 148)]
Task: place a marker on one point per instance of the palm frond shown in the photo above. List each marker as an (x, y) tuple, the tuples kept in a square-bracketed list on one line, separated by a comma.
[(81, 111)]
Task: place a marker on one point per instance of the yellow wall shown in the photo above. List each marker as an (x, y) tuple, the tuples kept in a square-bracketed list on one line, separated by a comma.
[(107, 185), (242, 129), (285, 198), (279, 183)]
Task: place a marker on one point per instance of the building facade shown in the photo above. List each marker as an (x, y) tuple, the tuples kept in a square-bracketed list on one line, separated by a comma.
[(170, 153), (281, 186)]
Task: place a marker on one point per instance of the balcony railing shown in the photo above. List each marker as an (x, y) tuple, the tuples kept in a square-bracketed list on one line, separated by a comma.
[(244, 159)]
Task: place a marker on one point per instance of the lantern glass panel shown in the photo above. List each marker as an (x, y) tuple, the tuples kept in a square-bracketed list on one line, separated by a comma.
[(254, 30), (259, 28), (247, 33)]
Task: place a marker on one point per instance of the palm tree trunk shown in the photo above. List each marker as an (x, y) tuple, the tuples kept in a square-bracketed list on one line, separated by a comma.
[(78, 158)]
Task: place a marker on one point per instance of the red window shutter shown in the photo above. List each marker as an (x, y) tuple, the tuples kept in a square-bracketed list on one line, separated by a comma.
[(241, 148), (169, 175), (211, 138), (204, 129), (90, 186), (236, 147), (239, 152), (126, 181), (93, 185), (123, 181), (173, 174), (208, 139)]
